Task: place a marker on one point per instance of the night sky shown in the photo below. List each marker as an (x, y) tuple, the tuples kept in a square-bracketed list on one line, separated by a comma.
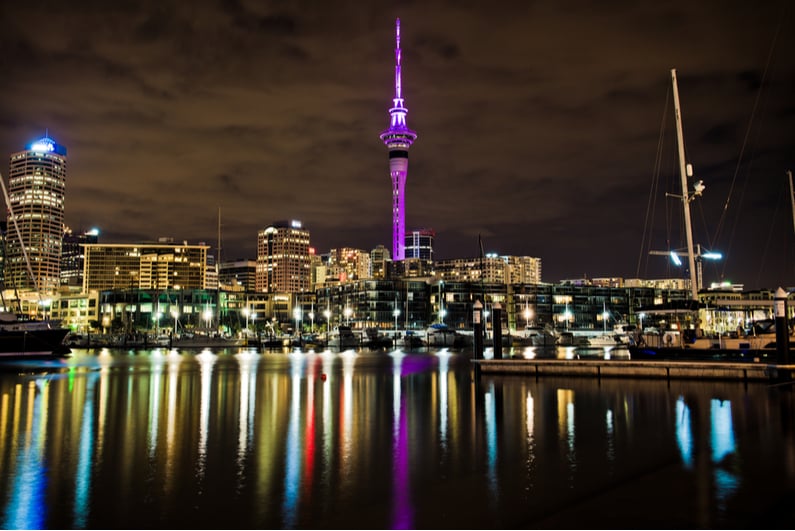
[(542, 126)]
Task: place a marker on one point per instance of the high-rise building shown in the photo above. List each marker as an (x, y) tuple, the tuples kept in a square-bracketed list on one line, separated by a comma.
[(347, 264), (283, 258), (238, 275), (73, 255), (419, 244), (36, 185), (398, 138), (380, 261)]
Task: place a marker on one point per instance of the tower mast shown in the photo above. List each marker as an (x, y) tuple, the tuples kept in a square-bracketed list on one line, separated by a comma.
[(398, 138)]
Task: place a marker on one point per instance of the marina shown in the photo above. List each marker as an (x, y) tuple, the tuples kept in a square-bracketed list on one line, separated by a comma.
[(241, 438)]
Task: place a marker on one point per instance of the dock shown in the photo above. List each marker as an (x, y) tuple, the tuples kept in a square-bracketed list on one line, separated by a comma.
[(658, 369)]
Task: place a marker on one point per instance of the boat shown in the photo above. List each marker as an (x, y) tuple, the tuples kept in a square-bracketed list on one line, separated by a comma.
[(570, 339), (375, 339), (412, 340), (607, 340), (620, 337), (74, 339), (441, 335), (25, 339), (542, 336), (343, 337), (202, 341), (684, 338)]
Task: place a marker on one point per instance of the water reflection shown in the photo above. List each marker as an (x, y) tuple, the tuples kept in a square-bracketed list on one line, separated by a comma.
[(243, 439)]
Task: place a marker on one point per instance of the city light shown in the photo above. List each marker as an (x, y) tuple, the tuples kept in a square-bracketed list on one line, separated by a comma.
[(297, 317)]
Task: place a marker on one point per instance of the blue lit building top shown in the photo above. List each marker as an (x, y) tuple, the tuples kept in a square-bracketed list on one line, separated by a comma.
[(46, 145)]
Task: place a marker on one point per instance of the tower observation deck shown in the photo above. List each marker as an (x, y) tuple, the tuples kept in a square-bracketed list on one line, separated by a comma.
[(398, 138)]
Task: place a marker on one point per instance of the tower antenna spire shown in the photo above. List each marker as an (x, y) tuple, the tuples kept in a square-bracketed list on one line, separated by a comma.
[(398, 138)]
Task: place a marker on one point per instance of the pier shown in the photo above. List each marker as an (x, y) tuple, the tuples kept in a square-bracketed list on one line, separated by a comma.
[(666, 370)]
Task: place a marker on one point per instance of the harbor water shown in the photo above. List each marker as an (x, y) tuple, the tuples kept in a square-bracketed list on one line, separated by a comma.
[(245, 438)]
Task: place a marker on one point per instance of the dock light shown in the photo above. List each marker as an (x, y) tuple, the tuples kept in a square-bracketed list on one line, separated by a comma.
[(675, 258)]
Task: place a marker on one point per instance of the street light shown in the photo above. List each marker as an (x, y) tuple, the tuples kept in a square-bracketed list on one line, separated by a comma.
[(347, 313), (311, 322), (396, 313), (208, 314), (327, 315), (297, 315), (527, 315), (157, 317), (175, 314), (246, 312)]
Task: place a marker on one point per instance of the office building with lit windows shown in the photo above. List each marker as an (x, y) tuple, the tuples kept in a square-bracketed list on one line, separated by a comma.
[(72, 255), (347, 264), (144, 266), (238, 275), (36, 187), (283, 258), (490, 268)]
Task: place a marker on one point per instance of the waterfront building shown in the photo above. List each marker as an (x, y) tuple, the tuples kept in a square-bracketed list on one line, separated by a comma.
[(283, 258), (77, 311), (398, 139), (661, 283), (153, 266), (374, 303), (417, 268), (36, 190), (238, 275), (73, 255), (608, 282), (347, 264), (380, 262), (419, 244), (211, 273), (494, 268)]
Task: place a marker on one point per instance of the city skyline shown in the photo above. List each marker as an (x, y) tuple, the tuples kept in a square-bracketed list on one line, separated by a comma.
[(540, 137)]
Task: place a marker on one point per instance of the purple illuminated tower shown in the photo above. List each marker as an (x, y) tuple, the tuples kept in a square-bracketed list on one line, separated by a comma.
[(398, 138)]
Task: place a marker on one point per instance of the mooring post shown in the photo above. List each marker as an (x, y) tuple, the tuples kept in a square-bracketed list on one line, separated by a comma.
[(782, 327), (477, 323), (497, 331)]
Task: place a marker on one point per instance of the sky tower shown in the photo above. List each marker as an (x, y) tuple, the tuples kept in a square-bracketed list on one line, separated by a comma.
[(398, 138)]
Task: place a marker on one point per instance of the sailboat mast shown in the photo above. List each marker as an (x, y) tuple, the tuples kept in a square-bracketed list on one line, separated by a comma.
[(791, 197), (685, 200), (218, 275)]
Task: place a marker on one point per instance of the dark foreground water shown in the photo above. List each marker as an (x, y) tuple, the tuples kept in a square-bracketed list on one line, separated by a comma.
[(243, 439)]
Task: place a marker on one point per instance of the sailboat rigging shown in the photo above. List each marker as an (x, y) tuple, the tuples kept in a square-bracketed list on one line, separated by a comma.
[(744, 344)]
